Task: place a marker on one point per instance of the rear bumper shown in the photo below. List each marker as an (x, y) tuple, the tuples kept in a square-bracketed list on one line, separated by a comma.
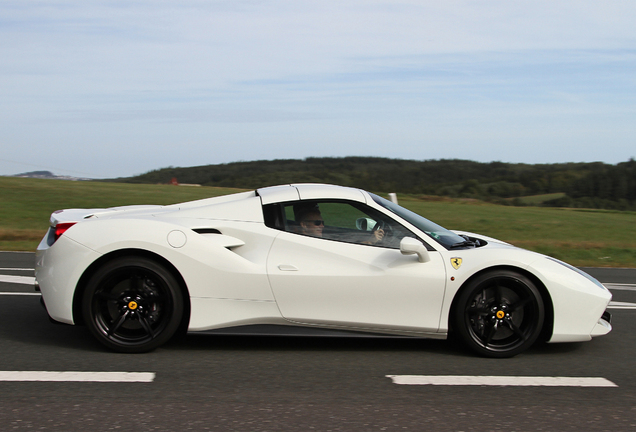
[(57, 271)]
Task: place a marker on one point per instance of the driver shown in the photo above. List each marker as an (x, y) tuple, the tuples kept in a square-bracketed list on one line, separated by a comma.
[(310, 220)]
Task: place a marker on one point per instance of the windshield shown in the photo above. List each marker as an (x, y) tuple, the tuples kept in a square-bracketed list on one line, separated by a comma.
[(440, 234)]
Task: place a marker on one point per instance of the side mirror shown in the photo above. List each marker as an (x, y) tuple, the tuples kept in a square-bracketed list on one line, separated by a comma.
[(410, 246), (365, 224)]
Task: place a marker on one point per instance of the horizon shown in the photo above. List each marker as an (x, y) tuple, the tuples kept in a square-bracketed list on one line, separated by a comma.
[(44, 172)]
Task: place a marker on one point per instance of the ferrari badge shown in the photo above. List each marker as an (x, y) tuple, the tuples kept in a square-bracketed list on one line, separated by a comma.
[(456, 263)]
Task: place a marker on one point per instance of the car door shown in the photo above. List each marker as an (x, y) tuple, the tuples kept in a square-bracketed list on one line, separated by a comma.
[(341, 279)]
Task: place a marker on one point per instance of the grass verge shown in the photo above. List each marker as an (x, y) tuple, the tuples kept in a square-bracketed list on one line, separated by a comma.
[(596, 238)]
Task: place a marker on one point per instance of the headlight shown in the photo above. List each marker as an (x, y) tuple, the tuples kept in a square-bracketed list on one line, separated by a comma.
[(579, 271)]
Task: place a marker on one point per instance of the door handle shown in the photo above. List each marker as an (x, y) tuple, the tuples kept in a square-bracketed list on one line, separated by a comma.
[(287, 267)]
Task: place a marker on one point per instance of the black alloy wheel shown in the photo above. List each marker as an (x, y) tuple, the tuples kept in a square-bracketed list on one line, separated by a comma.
[(499, 314), (132, 305)]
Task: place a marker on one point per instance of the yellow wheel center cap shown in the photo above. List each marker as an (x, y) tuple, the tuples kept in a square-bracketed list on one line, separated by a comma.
[(500, 314), (133, 305)]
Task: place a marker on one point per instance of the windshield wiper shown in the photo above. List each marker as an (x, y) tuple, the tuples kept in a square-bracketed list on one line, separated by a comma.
[(466, 243), (463, 244)]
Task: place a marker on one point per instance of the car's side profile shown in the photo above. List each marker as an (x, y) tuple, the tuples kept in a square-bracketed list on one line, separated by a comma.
[(305, 259)]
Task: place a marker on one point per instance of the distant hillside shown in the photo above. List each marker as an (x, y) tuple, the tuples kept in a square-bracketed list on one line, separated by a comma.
[(591, 185), (47, 175)]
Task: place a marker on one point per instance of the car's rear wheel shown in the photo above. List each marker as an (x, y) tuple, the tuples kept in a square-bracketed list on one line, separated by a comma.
[(132, 304), (499, 314)]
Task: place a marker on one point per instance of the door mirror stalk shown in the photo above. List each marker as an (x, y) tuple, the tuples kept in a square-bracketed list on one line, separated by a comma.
[(410, 246)]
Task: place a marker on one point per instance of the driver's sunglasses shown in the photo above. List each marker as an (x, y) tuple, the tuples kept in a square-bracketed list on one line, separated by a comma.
[(317, 222)]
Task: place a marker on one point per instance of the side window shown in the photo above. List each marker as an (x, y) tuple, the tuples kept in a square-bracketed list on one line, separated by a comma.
[(344, 221), (272, 216)]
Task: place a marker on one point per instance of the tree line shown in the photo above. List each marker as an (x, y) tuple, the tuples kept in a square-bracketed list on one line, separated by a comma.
[(588, 185)]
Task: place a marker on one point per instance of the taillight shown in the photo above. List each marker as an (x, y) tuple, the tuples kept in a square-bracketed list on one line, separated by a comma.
[(61, 229)]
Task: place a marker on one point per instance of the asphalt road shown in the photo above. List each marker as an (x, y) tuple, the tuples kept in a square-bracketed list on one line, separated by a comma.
[(304, 384)]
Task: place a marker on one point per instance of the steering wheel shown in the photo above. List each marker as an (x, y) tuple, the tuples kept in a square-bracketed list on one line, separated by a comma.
[(388, 231)]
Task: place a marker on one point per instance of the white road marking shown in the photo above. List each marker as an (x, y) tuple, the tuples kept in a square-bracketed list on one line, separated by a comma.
[(457, 380), (25, 280), (621, 305), (50, 376), (20, 293), (620, 287), (17, 269)]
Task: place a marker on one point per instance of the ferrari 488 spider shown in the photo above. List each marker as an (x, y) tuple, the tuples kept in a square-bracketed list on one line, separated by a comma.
[(305, 259)]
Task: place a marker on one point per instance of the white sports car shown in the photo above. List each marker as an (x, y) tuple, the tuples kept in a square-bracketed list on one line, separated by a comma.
[(305, 259)]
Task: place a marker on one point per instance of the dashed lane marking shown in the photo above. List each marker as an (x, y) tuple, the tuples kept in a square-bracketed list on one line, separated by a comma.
[(20, 294), (525, 381), (620, 287), (24, 280), (621, 305), (50, 376)]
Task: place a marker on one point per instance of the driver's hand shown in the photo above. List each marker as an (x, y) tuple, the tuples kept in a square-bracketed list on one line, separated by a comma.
[(378, 234)]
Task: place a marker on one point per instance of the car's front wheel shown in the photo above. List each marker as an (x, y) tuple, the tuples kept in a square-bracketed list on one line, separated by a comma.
[(132, 304), (499, 314)]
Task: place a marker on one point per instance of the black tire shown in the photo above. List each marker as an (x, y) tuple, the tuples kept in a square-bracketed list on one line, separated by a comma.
[(499, 314), (132, 305)]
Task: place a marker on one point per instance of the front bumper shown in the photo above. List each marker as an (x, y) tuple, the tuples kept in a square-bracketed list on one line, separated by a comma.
[(603, 326)]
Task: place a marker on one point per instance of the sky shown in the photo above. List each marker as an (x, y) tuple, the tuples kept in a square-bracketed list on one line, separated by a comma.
[(105, 89)]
